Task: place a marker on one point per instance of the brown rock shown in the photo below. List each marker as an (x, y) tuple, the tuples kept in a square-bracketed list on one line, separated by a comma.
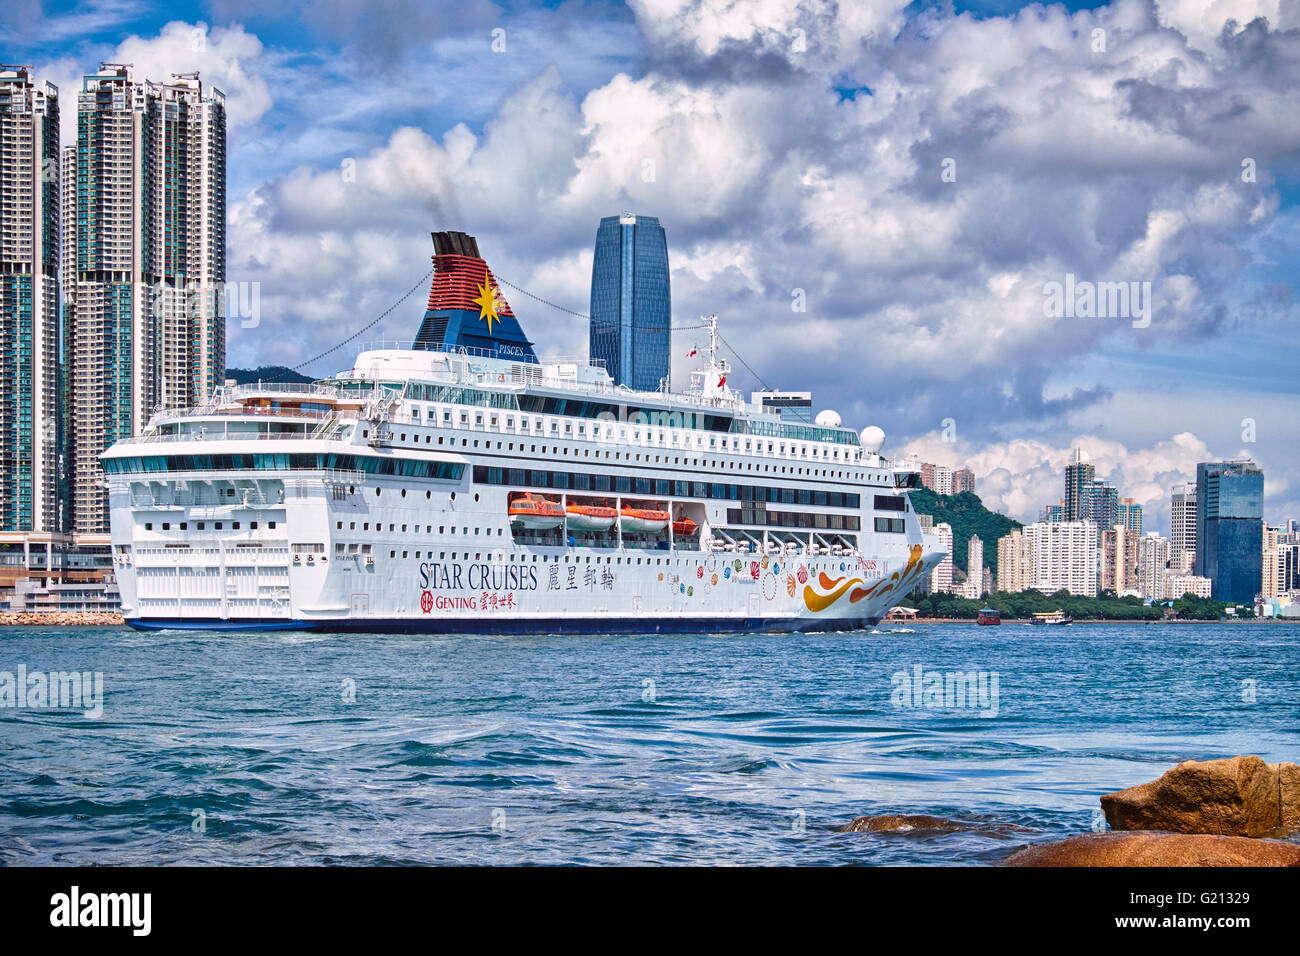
[(1238, 796), (922, 823), (903, 822), (1158, 849), (1288, 785)]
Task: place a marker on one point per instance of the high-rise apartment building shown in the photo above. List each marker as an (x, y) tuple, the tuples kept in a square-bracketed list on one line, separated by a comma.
[(1119, 558), (941, 576), (144, 264), (975, 567), (1129, 514), (963, 480), (1230, 528), (1065, 556), (1015, 561), (31, 406), (1152, 566), (631, 301)]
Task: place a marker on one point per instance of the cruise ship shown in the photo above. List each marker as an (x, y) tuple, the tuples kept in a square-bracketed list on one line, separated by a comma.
[(464, 485)]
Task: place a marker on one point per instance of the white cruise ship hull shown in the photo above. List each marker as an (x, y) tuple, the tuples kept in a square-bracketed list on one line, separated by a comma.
[(363, 505)]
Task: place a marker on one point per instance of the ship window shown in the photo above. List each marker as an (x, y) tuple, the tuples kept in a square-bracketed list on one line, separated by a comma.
[(148, 526), (235, 525)]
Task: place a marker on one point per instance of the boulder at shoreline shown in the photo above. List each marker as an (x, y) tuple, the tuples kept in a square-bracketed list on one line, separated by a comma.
[(1143, 848), (1238, 796)]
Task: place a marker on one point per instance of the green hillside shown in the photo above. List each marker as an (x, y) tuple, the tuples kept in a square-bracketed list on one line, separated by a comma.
[(267, 373), (967, 516)]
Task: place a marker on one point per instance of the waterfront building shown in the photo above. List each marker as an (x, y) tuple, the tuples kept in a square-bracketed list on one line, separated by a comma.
[(1182, 526), (1152, 566), (31, 407), (1065, 556), (631, 302), (144, 263), (1015, 561), (941, 576), (1118, 569), (974, 568), (1177, 585), (1230, 528)]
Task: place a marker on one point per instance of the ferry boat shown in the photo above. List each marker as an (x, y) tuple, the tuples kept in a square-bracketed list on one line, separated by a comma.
[(989, 617), (464, 485), (1056, 618)]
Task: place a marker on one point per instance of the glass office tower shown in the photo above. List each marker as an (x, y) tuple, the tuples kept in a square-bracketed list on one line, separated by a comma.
[(631, 306), (1230, 528)]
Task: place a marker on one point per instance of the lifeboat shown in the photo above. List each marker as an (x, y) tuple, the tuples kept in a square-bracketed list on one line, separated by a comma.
[(590, 517), (643, 520), (536, 513), (684, 528)]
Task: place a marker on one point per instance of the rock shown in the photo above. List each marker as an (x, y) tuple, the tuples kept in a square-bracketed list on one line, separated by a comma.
[(1158, 849), (1239, 796), (896, 823), (1288, 785), (919, 822)]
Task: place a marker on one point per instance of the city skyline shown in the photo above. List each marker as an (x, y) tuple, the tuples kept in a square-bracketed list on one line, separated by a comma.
[(316, 188)]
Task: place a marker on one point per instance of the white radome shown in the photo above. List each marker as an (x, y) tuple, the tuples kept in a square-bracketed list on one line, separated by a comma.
[(873, 438), (828, 418)]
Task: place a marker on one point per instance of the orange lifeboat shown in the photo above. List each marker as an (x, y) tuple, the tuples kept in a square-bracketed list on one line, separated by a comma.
[(590, 517), (643, 520), (684, 528), (536, 513)]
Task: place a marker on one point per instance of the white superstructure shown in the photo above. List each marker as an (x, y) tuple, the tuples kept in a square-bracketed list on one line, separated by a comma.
[(416, 492)]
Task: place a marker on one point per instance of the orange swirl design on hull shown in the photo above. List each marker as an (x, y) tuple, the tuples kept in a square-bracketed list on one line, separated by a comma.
[(859, 590)]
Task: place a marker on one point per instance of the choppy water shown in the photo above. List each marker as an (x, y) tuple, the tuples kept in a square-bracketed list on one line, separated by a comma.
[(618, 750)]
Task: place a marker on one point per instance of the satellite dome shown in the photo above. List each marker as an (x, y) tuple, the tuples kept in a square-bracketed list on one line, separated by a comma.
[(828, 419), (873, 438)]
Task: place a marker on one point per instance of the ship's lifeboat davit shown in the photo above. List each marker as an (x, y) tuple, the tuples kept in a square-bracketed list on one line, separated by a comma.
[(590, 517), (536, 513), (643, 520)]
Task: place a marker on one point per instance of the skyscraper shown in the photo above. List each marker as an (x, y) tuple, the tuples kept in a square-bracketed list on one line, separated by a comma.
[(1230, 528), (631, 304), (1182, 526), (144, 264), (1079, 475), (31, 426)]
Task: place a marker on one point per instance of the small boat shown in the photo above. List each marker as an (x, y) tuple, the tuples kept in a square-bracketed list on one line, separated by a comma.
[(989, 616), (590, 517), (643, 520), (536, 513), (1050, 617), (684, 528)]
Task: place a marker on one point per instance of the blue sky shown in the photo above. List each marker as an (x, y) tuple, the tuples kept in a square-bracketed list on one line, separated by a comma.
[(791, 145)]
